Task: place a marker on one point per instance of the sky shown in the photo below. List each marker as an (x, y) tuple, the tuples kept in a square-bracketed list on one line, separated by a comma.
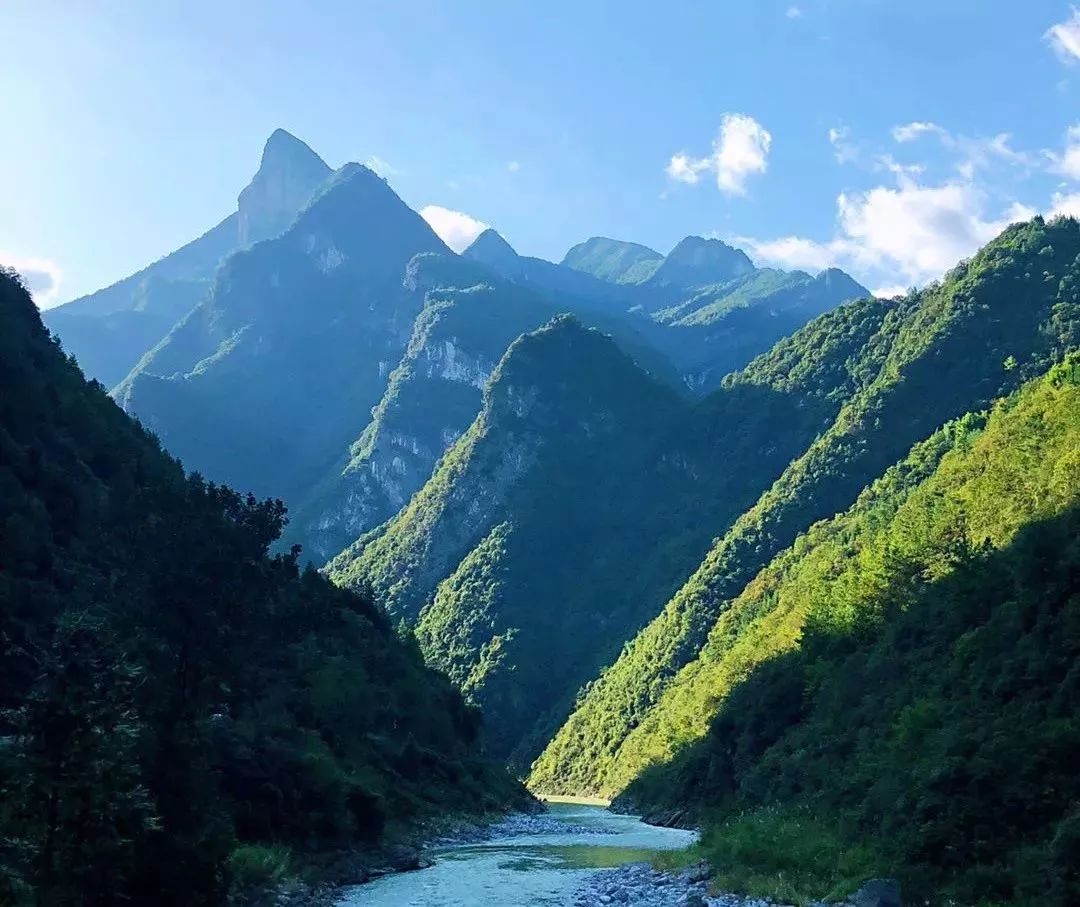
[(890, 139)]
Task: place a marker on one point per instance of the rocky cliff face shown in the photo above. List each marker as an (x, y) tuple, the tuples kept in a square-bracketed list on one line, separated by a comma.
[(268, 380), (110, 330), (288, 175)]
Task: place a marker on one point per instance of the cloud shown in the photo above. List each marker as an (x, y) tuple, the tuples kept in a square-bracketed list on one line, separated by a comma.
[(907, 234), (888, 292), (685, 170), (41, 276), (1065, 205), (908, 132), (1065, 37), (455, 228), (740, 150), (794, 12), (381, 167), (901, 171), (1068, 162), (844, 149), (513, 166), (974, 153)]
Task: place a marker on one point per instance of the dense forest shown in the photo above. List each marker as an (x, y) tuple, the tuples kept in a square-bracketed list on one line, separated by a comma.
[(181, 713), (952, 348), (741, 548), (903, 681)]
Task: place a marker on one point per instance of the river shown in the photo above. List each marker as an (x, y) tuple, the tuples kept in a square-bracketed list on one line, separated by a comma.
[(540, 862)]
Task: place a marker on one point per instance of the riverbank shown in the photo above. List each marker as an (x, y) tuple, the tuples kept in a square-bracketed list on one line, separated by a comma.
[(523, 861), (323, 879), (643, 885)]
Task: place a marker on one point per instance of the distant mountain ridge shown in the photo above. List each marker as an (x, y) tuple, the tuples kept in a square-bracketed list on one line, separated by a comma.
[(267, 380), (613, 260), (937, 354), (108, 331)]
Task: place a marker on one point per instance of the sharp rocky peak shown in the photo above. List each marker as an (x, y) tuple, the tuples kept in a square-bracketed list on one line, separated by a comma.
[(288, 175), (491, 249)]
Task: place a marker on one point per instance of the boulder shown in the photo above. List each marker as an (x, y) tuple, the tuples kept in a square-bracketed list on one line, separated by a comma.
[(876, 893)]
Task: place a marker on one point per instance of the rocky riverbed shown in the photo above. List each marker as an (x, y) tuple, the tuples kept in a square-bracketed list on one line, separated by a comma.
[(642, 885)]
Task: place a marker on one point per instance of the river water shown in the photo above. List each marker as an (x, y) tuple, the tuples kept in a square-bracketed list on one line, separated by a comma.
[(544, 867)]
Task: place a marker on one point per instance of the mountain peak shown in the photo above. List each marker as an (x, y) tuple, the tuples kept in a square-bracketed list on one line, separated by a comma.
[(613, 260), (284, 148), (696, 261), (491, 249), (487, 244), (289, 172)]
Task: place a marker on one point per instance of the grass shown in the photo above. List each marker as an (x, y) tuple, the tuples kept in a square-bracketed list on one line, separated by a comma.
[(255, 866), (788, 856)]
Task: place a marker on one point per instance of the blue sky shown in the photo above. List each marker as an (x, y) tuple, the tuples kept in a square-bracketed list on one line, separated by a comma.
[(888, 138)]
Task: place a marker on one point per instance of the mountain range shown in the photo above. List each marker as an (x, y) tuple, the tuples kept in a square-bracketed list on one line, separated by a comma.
[(110, 330), (739, 547), (183, 715)]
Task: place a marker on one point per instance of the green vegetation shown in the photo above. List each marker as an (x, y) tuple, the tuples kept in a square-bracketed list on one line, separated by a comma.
[(936, 355), (614, 260), (907, 672), (470, 318), (110, 330), (715, 329), (536, 543), (788, 856), (566, 418), (179, 711), (268, 380)]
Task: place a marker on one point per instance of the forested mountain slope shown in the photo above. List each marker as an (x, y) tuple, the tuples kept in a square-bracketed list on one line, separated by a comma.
[(949, 349), (547, 537), (906, 674), (176, 705), (109, 331), (470, 318), (613, 260), (274, 374)]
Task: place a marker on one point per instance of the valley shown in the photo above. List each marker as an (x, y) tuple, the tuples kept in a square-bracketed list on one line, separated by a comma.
[(327, 532)]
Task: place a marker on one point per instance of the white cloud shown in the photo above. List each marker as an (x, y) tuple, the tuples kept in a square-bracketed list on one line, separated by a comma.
[(888, 292), (1065, 37), (844, 149), (381, 167), (455, 228), (41, 276), (973, 153), (793, 251), (740, 150), (903, 235), (901, 171), (1068, 162), (794, 12), (685, 170), (513, 166), (1065, 205), (908, 132)]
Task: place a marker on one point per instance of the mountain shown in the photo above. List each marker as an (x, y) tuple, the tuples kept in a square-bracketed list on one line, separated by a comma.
[(109, 331), (559, 411), (267, 381), (711, 311), (717, 329), (288, 175), (613, 260), (570, 288), (180, 713), (697, 262), (470, 318), (939, 353), (575, 504), (902, 681)]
